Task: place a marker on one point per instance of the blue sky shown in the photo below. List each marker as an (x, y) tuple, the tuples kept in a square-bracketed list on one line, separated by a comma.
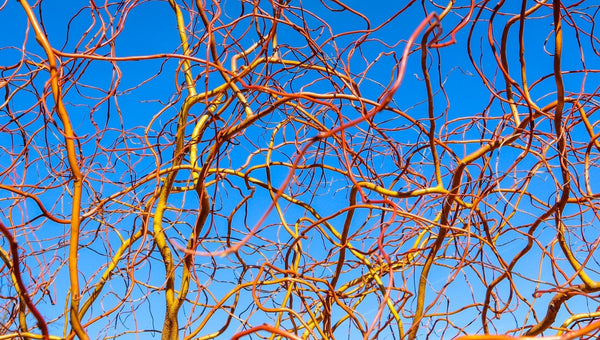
[(127, 134)]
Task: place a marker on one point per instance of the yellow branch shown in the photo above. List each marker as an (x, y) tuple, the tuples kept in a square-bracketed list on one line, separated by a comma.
[(75, 171)]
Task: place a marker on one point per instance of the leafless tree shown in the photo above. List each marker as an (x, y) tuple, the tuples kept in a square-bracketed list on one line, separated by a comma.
[(299, 169)]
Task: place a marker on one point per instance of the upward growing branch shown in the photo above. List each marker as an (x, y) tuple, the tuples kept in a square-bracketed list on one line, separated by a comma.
[(73, 159)]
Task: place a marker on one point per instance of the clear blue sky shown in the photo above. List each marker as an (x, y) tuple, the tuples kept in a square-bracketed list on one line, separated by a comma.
[(145, 103)]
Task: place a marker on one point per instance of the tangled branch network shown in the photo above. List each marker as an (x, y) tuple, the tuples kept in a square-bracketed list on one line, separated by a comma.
[(299, 169)]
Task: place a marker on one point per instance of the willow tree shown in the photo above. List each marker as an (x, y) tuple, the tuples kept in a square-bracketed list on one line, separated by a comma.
[(303, 170)]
